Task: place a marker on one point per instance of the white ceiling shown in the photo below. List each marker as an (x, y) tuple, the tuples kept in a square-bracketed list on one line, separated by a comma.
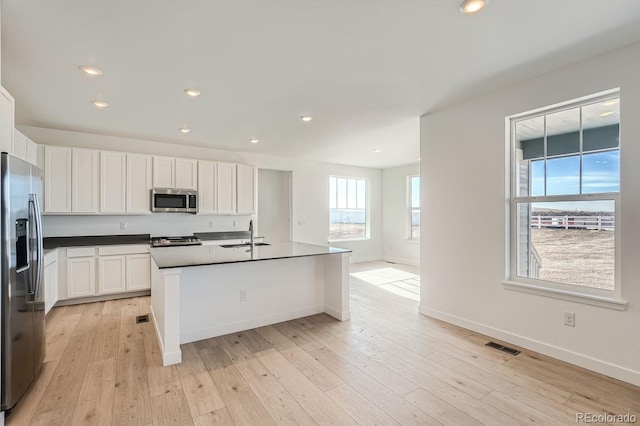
[(364, 69)]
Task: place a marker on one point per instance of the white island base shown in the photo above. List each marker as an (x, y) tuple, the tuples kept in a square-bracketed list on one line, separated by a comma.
[(199, 302)]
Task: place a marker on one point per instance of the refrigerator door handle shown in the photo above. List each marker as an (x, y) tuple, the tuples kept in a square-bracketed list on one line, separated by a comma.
[(39, 248)]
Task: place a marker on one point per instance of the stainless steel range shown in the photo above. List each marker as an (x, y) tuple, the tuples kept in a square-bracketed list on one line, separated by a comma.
[(175, 241)]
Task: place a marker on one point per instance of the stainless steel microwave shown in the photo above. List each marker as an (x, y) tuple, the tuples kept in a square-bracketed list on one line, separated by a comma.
[(174, 200)]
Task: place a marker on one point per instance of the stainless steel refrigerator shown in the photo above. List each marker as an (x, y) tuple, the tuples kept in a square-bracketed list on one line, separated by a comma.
[(21, 293)]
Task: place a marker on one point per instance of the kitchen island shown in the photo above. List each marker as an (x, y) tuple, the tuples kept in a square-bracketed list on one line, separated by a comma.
[(198, 292)]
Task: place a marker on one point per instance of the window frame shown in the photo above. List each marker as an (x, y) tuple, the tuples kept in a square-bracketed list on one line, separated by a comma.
[(367, 209), (594, 296), (411, 209)]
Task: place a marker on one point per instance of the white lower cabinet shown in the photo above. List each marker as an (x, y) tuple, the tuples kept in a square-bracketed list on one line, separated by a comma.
[(50, 280), (81, 277), (111, 274), (138, 272), (117, 269)]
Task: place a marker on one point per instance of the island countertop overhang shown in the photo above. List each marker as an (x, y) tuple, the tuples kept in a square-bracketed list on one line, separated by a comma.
[(189, 256)]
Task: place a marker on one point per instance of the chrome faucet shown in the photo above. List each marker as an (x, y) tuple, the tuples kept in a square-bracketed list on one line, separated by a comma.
[(251, 232)]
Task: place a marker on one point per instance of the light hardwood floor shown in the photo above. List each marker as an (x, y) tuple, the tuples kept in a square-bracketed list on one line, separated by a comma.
[(388, 365)]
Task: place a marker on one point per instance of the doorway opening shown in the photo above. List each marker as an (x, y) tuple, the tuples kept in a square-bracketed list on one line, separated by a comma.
[(274, 205)]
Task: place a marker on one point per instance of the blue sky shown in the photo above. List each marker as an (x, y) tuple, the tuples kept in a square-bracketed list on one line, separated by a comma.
[(600, 173), (415, 191)]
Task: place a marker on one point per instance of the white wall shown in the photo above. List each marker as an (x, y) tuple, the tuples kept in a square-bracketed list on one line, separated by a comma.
[(274, 204), (396, 246), (310, 193), (463, 170)]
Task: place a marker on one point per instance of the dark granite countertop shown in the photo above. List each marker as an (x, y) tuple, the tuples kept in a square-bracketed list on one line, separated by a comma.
[(179, 257), (228, 235), (95, 240)]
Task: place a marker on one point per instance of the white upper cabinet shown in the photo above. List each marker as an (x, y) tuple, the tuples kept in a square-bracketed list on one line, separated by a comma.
[(84, 181), (23, 147), (32, 152), (186, 174), (246, 189), (177, 173), (207, 188), (57, 179), (19, 145), (7, 121), (164, 172), (226, 188), (104, 182), (113, 176), (138, 183)]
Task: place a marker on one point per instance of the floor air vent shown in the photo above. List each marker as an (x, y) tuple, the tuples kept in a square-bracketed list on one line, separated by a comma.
[(502, 348), (142, 318)]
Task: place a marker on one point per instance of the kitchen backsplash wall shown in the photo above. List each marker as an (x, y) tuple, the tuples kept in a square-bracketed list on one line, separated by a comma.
[(156, 224)]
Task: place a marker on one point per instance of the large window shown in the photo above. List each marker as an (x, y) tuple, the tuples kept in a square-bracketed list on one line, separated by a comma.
[(348, 218), (564, 196), (413, 202)]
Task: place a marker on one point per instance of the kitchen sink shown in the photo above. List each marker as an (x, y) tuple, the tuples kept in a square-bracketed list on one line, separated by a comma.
[(244, 245)]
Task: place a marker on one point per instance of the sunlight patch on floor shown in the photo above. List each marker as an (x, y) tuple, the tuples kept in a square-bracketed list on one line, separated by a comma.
[(383, 276), (393, 280)]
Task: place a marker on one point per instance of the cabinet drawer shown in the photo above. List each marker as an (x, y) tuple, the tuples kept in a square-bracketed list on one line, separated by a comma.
[(127, 249), (81, 252)]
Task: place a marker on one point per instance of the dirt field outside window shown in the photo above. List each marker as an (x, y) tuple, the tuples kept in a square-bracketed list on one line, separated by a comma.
[(576, 256)]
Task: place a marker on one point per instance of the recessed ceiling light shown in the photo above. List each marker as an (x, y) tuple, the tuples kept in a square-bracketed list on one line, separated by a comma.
[(377, 150), (184, 129), (254, 141), (611, 102), (91, 71), (100, 104), (605, 114), (192, 93), (306, 118), (419, 158), (472, 6)]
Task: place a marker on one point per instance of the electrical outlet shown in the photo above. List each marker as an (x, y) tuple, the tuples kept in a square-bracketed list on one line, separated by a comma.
[(570, 319), (243, 295), (212, 224), (123, 226)]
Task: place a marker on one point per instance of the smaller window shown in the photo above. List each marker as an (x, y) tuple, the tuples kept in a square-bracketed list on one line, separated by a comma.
[(348, 215), (413, 202)]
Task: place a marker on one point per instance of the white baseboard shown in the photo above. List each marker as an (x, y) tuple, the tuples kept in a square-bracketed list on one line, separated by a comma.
[(337, 314), (363, 259), (401, 261), (168, 358), (599, 366), (102, 298), (221, 330)]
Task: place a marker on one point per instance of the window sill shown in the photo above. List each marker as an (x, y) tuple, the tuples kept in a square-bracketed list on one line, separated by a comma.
[(349, 240), (588, 299)]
